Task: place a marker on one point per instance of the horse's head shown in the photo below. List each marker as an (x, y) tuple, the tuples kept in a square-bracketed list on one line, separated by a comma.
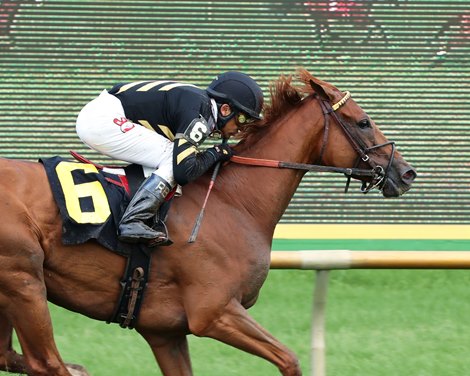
[(352, 139), (344, 136)]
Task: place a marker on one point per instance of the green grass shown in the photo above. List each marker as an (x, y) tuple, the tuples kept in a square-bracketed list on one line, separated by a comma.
[(379, 323), (403, 322)]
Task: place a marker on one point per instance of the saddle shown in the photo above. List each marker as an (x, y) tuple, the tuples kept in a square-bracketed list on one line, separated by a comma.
[(92, 199)]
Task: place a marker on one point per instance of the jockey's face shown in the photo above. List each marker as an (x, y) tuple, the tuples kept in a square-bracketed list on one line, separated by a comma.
[(231, 128)]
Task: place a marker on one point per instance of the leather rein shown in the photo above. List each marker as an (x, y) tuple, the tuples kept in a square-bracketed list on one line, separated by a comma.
[(378, 174)]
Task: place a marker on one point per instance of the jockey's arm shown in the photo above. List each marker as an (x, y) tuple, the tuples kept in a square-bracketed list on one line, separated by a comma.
[(188, 162)]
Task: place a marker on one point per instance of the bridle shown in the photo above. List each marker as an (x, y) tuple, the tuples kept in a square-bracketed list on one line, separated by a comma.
[(378, 174), (381, 176)]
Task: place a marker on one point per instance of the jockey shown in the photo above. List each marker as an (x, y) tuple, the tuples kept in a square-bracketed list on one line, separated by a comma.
[(160, 125)]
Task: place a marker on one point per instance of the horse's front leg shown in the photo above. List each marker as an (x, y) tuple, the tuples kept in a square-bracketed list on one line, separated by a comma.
[(236, 328), (10, 360), (172, 354)]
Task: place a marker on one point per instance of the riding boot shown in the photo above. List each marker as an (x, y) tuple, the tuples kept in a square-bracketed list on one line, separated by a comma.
[(134, 226)]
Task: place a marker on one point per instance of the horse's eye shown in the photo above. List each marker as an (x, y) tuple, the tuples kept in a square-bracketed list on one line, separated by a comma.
[(364, 123)]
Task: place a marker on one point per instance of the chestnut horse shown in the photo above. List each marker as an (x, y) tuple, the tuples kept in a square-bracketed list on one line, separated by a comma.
[(203, 288)]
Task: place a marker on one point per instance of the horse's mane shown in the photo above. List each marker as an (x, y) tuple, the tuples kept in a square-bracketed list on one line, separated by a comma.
[(284, 97)]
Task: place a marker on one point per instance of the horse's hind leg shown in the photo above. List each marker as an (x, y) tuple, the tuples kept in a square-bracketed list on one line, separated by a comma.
[(10, 360), (24, 305), (172, 354), (236, 328), (33, 327)]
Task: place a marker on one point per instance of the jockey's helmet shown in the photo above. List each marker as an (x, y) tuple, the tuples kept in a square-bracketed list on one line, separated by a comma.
[(238, 90)]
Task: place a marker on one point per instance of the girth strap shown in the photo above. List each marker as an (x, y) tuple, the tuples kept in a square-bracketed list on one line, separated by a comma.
[(133, 284)]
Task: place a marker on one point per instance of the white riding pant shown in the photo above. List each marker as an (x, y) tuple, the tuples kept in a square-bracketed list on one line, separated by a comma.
[(103, 126)]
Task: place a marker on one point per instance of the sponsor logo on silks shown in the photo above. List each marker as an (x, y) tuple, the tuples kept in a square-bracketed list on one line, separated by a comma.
[(125, 124)]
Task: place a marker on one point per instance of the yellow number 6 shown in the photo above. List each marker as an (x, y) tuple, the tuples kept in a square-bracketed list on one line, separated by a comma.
[(73, 192)]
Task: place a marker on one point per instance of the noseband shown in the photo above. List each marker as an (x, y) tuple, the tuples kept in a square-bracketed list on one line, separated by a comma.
[(380, 175)]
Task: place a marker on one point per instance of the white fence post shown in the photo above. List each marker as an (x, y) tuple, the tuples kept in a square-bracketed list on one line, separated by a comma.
[(324, 261), (318, 363)]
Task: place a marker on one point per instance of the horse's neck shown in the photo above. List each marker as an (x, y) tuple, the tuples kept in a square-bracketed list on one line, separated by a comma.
[(266, 192)]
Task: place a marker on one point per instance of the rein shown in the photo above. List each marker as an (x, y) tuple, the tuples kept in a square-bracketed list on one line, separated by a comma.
[(300, 166), (378, 174)]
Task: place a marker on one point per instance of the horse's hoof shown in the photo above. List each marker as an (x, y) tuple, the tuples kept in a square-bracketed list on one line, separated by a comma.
[(77, 370)]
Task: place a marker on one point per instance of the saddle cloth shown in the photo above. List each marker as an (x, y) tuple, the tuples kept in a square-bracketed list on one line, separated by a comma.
[(91, 201)]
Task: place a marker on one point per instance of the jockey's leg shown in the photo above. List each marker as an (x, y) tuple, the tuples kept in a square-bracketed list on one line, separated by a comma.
[(103, 126), (144, 205)]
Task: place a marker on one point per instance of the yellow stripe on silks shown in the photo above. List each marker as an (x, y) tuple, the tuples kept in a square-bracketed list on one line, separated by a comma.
[(146, 124), (185, 153), (172, 86), (151, 85), (129, 85), (166, 131)]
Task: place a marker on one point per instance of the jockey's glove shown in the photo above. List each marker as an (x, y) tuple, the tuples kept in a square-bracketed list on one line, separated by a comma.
[(222, 152)]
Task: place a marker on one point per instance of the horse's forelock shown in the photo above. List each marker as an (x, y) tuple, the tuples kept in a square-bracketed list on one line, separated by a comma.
[(284, 96)]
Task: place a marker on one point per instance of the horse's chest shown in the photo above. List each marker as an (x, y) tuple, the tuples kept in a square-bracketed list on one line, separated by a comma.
[(257, 272)]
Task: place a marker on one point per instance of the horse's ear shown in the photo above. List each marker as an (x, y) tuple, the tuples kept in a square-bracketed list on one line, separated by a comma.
[(319, 90)]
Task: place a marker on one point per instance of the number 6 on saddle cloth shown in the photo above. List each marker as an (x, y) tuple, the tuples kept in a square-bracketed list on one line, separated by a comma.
[(92, 198)]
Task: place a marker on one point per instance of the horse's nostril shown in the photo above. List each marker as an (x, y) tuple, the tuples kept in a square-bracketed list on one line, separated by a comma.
[(409, 175)]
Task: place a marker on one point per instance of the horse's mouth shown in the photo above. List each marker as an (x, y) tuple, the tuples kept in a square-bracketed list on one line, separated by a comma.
[(397, 184), (392, 189)]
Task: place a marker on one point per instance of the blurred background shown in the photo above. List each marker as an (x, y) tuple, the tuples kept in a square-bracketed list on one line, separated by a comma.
[(405, 61)]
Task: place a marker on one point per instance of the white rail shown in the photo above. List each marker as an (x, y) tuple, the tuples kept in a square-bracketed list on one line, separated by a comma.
[(324, 261)]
